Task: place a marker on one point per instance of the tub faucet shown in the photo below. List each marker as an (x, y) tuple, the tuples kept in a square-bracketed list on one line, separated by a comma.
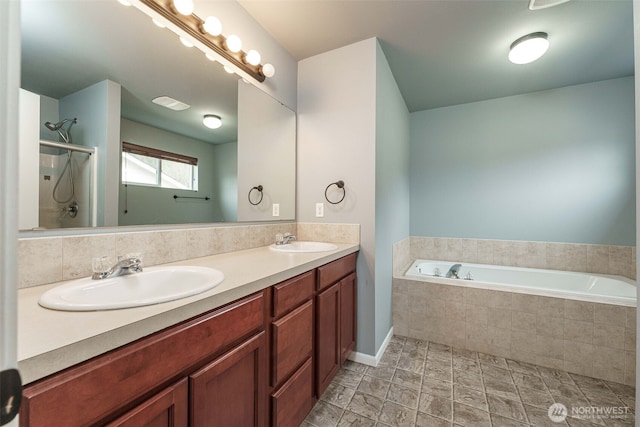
[(125, 266), (453, 271)]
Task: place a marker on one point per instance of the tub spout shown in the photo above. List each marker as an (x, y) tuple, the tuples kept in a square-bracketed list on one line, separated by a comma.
[(453, 271)]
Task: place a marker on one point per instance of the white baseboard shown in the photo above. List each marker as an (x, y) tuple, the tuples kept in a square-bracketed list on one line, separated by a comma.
[(367, 359)]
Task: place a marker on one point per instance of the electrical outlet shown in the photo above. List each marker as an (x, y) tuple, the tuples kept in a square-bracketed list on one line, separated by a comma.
[(319, 210), (276, 209)]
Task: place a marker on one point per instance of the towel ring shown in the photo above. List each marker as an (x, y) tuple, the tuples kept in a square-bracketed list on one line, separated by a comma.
[(259, 189), (340, 185)]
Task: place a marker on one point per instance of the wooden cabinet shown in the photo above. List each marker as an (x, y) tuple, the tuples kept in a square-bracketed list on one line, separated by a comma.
[(230, 390), (169, 408), (348, 301), (107, 386), (335, 318), (327, 337), (292, 394), (262, 360)]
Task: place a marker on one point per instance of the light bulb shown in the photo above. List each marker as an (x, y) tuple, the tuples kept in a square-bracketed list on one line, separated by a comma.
[(252, 57), (212, 121), (234, 44), (228, 69), (213, 26), (211, 58), (184, 7), (124, 3), (528, 48), (268, 70), (186, 42), (158, 22)]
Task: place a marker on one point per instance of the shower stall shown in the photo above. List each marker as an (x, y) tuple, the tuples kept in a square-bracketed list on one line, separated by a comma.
[(67, 185)]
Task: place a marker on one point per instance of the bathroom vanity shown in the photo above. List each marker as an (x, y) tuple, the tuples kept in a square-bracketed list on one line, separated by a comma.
[(262, 359)]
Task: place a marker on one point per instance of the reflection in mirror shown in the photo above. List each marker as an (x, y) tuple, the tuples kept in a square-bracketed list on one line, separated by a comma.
[(103, 64), (266, 156)]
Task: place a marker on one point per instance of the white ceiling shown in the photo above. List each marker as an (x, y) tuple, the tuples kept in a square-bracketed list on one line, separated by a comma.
[(441, 52), (72, 44), (455, 51)]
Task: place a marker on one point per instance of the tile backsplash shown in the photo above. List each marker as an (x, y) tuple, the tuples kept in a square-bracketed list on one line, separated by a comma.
[(45, 260), (600, 259)]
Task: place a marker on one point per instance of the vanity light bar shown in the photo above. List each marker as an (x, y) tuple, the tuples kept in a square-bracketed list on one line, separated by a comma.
[(193, 25)]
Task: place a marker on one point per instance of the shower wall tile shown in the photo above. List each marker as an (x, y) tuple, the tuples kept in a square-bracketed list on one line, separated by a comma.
[(600, 259), (52, 259), (580, 337), (401, 256)]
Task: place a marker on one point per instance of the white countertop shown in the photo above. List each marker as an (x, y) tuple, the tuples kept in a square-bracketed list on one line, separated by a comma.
[(51, 340)]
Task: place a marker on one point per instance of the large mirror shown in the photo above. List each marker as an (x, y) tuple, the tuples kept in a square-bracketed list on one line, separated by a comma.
[(91, 83)]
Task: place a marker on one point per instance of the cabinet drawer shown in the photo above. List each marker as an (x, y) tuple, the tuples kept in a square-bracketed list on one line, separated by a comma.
[(289, 294), (90, 392), (292, 341), (336, 270), (293, 401)]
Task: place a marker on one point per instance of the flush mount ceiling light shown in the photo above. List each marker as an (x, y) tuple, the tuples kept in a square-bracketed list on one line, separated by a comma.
[(212, 121), (170, 103), (529, 48)]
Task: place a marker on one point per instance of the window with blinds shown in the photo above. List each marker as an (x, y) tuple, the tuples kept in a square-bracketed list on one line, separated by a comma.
[(157, 168)]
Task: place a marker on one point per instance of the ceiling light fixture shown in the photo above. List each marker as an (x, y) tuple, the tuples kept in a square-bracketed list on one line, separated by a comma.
[(207, 34), (212, 121), (529, 48)]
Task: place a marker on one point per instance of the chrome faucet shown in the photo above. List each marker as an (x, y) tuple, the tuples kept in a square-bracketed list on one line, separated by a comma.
[(125, 266), (288, 237), (453, 271)]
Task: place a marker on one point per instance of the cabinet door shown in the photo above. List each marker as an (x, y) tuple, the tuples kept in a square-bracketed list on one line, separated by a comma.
[(348, 287), (166, 409), (230, 391), (327, 337)]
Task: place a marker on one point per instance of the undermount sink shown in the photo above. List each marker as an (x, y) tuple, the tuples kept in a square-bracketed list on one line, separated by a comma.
[(152, 286), (304, 247)]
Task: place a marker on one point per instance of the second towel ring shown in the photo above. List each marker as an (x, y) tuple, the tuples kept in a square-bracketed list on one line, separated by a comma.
[(340, 185), (259, 189)]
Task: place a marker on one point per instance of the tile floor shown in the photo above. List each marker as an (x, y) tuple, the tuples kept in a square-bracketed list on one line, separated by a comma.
[(426, 384)]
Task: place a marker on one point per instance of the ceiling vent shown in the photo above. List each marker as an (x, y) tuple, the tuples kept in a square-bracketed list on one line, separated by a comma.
[(170, 103), (543, 4)]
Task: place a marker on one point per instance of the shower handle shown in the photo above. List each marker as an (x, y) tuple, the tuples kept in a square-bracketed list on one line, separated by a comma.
[(72, 209)]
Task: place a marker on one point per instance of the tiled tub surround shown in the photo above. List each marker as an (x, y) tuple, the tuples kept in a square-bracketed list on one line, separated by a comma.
[(431, 385), (53, 259), (601, 259), (592, 339)]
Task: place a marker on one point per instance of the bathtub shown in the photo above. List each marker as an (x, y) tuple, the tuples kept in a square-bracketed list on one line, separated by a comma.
[(597, 288)]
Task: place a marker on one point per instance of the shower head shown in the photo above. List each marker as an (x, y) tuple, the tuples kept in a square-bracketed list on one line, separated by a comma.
[(57, 126)]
